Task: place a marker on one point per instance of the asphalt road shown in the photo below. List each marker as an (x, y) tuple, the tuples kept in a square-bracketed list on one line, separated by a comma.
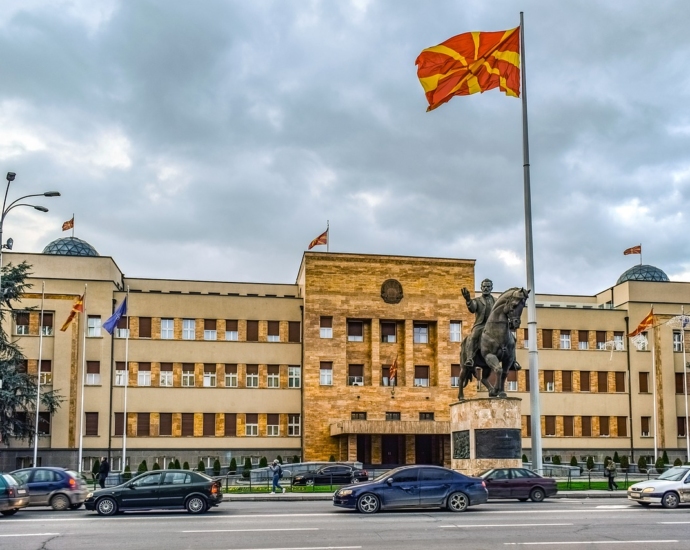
[(283, 525)]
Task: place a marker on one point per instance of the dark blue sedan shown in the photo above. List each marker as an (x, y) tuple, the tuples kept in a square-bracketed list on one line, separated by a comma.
[(414, 487)]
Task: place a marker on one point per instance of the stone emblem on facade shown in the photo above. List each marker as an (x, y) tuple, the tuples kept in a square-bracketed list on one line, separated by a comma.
[(391, 291)]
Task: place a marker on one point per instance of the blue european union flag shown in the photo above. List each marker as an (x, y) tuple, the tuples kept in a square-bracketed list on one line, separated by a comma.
[(111, 323)]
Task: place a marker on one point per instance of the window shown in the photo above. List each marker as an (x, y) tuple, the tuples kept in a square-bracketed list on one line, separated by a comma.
[(144, 327), (252, 331), (528, 425), (93, 373), (144, 375), (421, 375), (643, 378), (326, 327), (386, 376), (46, 371), (392, 416), (44, 423), (210, 332), (604, 426), (326, 373), (355, 375), (620, 382), (586, 426), (583, 339), (209, 375), (645, 343), (187, 424), (231, 332), (454, 376), (122, 330), (188, 375), (119, 424), (294, 377), (644, 426), (167, 329), (165, 424), (565, 339), (91, 424), (420, 333), (549, 380), (358, 415), (680, 378), (47, 324), (166, 375), (549, 425), (388, 332), (455, 331), (188, 329), (143, 424), (230, 424), (567, 377), (272, 425), (120, 373), (252, 378), (511, 381), (618, 341), (294, 331), (294, 425), (622, 426), (547, 338), (230, 376), (273, 376), (527, 380), (209, 425), (680, 423), (584, 381), (601, 339), (602, 382), (677, 341), (273, 331), (150, 480), (251, 427), (94, 326), (355, 331), (22, 323), (176, 478), (426, 416), (568, 426), (525, 338)]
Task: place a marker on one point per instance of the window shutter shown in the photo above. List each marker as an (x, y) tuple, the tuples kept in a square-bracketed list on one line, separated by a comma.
[(601, 336), (209, 368), (47, 319), (46, 365), (548, 377), (528, 422), (22, 318), (604, 425), (231, 325), (93, 367), (512, 376), (644, 382), (143, 424), (326, 365), (187, 367), (144, 327), (209, 324), (622, 425), (527, 382), (187, 424), (273, 369), (550, 425), (602, 382), (387, 329), (119, 423), (586, 426), (273, 328), (356, 370), (120, 365), (252, 369), (230, 369), (252, 418), (645, 424), (584, 381), (547, 338), (165, 424), (421, 371), (567, 384), (273, 419), (326, 322), (145, 367), (91, 423), (122, 322), (620, 382), (44, 423), (166, 367), (455, 370), (230, 424), (568, 426), (583, 336), (209, 424), (252, 331), (354, 328), (294, 331)]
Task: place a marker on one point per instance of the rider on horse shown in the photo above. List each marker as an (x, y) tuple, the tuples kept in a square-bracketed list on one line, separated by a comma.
[(481, 306)]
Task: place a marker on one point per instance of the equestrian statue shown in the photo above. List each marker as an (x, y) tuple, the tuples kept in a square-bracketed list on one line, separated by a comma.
[(491, 344)]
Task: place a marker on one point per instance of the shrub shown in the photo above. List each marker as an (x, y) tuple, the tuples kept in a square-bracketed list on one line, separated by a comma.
[(171, 465), (263, 462), (246, 468), (216, 467), (233, 465), (556, 460), (524, 458), (155, 466), (96, 467), (659, 465), (664, 458), (642, 464), (677, 462), (616, 459), (127, 473), (185, 466), (625, 463), (279, 459), (201, 467), (177, 464), (590, 463), (142, 467), (331, 458), (573, 461), (295, 458)]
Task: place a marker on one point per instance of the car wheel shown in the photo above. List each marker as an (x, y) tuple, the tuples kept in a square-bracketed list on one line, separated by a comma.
[(75, 506), (458, 502), (523, 499), (355, 480), (59, 503), (9, 512), (368, 504), (670, 500), (310, 482), (196, 505), (106, 507), (537, 494)]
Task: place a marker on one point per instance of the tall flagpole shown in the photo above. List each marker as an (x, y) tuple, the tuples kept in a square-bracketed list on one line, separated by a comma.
[(83, 382), (328, 235), (124, 414), (685, 382), (535, 409), (656, 448), (40, 360)]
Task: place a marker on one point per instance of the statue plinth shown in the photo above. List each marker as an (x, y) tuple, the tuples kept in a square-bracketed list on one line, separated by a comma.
[(486, 433)]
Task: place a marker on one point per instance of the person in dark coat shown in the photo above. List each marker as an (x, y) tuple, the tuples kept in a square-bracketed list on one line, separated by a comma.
[(103, 471), (611, 474)]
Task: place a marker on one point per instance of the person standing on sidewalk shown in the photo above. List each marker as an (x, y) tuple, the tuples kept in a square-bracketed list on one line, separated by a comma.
[(277, 471), (103, 471), (611, 474)]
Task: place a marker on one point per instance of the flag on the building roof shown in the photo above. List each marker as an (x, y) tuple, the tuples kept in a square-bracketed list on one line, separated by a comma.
[(120, 312), (646, 324), (69, 224), (77, 307), (633, 250), (469, 63), (321, 239)]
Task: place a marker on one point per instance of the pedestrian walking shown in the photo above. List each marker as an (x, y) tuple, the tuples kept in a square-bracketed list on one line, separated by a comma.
[(103, 471), (611, 474), (277, 471)]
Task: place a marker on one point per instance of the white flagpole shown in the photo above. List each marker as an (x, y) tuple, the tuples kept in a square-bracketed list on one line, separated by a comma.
[(328, 236), (38, 385), (124, 414), (685, 382), (83, 383), (656, 449)]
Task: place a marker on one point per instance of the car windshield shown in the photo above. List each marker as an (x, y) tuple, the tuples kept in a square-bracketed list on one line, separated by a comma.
[(485, 473), (10, 480), (674, 474)]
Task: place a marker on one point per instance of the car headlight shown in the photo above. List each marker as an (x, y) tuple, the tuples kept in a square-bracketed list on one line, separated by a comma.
[(345, 492), (88, 496), (648, 490)]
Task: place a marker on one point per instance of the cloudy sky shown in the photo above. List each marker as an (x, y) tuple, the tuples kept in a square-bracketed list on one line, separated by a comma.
[(212, 140)]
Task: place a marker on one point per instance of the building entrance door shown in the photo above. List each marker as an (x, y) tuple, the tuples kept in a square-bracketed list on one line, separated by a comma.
[(364, 448), (428, 449), (393, 449)]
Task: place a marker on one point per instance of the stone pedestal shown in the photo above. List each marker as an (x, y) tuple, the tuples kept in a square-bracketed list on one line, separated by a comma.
[(485, 433)]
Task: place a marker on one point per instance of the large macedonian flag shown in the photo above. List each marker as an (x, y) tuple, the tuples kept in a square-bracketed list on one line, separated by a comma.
[(469, 63)]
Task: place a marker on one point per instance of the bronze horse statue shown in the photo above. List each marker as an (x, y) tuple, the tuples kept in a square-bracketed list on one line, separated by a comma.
[(496, 351)]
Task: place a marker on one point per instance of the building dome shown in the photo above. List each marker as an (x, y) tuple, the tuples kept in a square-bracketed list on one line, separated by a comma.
[(70, 246), (643, 273)]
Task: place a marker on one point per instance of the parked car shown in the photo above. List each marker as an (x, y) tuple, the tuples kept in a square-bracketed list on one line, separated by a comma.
[(519, 483), (334, 474), (13, 495), (60, 488), (291, 469), (670, 489), (414, 487), (162, 489)]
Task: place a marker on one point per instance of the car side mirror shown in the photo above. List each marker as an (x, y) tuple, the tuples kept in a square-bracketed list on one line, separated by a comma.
[(389, 481), (131, 487)]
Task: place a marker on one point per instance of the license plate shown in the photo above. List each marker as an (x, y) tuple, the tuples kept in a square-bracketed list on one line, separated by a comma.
[(635, 495), (22, 491)]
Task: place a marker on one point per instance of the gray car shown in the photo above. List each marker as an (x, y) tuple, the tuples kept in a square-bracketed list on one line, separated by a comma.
[(670, 489), (59, 488)]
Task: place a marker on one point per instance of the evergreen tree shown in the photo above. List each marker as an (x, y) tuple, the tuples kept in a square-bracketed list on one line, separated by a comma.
[(590, 463), (216, 467), (659, 465), (295, 459), (524, 458), (331, 458), (615, 458), (247, 468), (155, 467), (96, 467), (176, 464), (19, 388), (279, 459), (171, 465), (677, 462), (185, 466), (556, 460), (143, 467), (233, 466), (642, 464), (127, 474), (664, 458), (573, 461), (263, 462), (625, 463), (201, 467)]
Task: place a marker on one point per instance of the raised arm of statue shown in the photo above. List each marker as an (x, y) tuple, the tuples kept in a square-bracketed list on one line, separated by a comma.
[(466, 294)]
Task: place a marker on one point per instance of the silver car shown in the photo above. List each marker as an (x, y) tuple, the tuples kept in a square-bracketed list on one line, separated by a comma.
[(670, 489), (59, 488)]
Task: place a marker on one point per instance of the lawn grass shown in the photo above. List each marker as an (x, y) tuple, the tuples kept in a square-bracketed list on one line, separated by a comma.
[(594, 485)]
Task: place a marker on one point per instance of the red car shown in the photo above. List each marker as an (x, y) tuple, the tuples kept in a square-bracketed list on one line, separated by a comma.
[(519, 483)]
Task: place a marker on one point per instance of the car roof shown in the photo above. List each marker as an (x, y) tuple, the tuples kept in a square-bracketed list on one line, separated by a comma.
[(52, 468)]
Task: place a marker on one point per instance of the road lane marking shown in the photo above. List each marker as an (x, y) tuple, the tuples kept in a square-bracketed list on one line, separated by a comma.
[(251, 530), (589, 542), (614, 506), (304, 548), (471, 525), (33, 535), (673, 522)]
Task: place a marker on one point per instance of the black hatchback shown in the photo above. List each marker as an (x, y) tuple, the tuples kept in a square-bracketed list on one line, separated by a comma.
[(161, 489), (333, 474)]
